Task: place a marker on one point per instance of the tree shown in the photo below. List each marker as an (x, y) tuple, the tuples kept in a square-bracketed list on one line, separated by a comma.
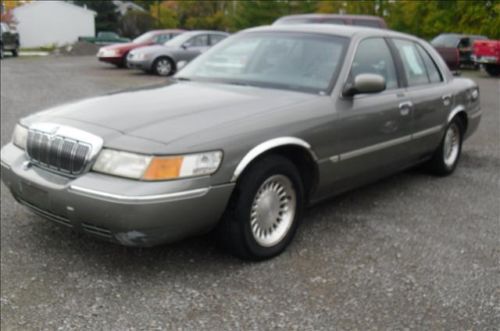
[(135, 23), (107, 18), (165, 14)]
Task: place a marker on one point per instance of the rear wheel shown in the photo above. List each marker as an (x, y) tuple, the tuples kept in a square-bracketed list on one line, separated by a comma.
[(492, 69), (445, 159), (163, 66), (264, 211), (15, 52)]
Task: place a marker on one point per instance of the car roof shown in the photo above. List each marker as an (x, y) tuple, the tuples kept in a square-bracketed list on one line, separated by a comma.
[(369, 17), (166, 31), (195, 32), (332, 29)]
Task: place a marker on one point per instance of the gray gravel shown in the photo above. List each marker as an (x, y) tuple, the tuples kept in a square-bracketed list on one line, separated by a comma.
[(409, 252)]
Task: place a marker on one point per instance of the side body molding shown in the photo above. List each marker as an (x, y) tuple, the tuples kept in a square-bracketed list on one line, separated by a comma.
[(267, 145)]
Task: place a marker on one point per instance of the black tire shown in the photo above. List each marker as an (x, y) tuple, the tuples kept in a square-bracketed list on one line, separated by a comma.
[(161, 61), (15, 52), (492, 69), (438, 165), (1, 52), (235, 232)]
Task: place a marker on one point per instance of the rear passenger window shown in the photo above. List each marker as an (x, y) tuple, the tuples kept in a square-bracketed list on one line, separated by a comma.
[(430, 65), (215, 38), (413, 64), (332, 21), (374, 57)]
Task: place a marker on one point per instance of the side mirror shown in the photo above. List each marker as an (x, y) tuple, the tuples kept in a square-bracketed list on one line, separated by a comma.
[(365, 83), (185, 46)]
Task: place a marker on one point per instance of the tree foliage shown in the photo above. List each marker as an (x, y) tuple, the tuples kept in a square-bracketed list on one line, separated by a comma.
[(422, 18), (107, 18)]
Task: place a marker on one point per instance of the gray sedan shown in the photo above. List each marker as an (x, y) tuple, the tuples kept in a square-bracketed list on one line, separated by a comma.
[(164, 59), (267, 122)]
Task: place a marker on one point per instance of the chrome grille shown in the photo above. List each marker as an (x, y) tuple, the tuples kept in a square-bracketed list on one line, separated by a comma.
[(57, 153)]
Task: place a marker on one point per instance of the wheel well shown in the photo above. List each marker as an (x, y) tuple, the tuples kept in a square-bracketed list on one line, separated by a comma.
[(302, 159), (463, 118)]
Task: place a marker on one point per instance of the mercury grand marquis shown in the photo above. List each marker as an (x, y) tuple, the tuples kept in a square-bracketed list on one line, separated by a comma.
[(267, 122)]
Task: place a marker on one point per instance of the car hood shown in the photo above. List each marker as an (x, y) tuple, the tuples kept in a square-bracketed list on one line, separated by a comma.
[(124, 46), (154, 49), (167, 113)]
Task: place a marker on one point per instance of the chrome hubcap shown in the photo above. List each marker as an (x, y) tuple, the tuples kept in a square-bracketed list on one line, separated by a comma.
[(273, 210), (163, 67), (451, 145)]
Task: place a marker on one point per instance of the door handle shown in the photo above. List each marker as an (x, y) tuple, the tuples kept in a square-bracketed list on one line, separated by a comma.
[(405, 108), (446, 99)]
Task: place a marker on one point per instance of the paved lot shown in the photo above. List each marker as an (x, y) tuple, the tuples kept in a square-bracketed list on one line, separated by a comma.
[(409, 252)]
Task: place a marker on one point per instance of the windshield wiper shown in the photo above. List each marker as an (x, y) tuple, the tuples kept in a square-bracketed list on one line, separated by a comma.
[(185, 79)]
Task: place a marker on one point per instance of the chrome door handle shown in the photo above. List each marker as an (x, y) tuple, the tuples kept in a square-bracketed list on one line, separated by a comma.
[(405, 108), (446, 99)]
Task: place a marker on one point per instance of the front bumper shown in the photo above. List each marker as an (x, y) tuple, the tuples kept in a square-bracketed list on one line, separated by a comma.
[(129, 212), (116, 60), (139, 64)]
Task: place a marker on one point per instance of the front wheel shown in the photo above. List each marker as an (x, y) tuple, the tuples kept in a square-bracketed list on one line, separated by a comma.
[(264, 211), (445, 158), (163, 66), (15, 52), (492, 69)]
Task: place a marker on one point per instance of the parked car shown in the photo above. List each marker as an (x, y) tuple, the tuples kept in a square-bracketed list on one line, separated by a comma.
[(450, 43), (9, 40), (265, 123), (163, 59), (105, 37), (360, 20), (487, 54), (117, 54)]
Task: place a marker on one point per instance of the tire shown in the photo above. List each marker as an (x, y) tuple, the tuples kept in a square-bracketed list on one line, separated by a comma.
[(254, 231), (446, 157), (1, 52), (492, 69), (15, 53), (163, 66)]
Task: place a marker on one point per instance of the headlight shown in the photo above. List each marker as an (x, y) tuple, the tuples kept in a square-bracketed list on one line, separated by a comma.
[(20, 136), (145, 167), (140, 56)]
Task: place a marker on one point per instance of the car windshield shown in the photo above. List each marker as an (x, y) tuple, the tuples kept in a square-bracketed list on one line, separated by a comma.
[(179, 40), (446, 40), (295, 61), (144, 38)]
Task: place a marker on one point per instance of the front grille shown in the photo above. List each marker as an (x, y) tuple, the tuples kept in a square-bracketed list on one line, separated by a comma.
[(57, 153), (47, 214)]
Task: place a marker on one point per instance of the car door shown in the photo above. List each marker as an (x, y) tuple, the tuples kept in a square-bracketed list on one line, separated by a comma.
[(195, 46), (372, 131), (428, 92)]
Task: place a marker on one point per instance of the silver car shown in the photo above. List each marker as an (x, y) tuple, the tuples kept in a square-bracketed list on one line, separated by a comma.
[(267, 122), (164, 59)]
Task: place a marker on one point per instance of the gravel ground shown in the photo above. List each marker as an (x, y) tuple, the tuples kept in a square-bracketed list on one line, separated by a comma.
[(409, 252)]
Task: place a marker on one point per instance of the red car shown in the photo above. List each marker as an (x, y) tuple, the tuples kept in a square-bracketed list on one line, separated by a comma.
[(117, 54), (487, 53)]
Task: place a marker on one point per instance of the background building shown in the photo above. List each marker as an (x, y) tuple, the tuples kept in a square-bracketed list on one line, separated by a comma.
[(46, 23)]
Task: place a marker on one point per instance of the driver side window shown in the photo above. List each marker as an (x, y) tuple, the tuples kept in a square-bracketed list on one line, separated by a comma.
[(374, 57), (198, 41)]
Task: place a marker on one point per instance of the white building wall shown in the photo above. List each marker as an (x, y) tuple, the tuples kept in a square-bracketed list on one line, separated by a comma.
[(45, 23)]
